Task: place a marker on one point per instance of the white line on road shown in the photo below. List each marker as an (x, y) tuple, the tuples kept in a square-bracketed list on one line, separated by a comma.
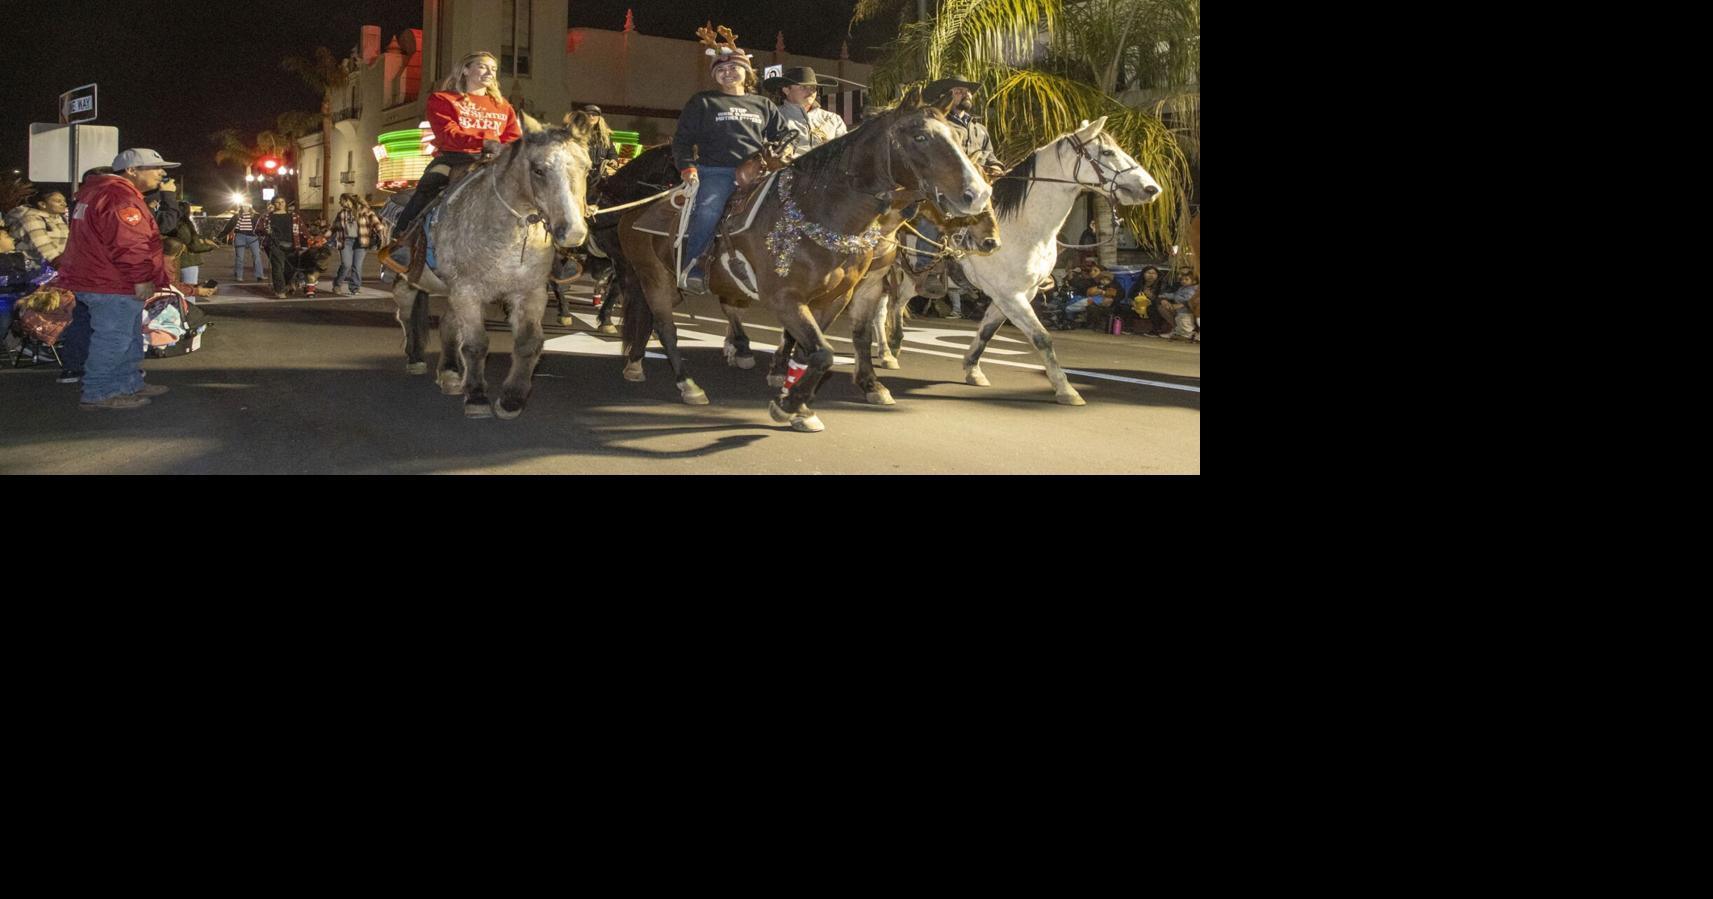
[(985, 361)]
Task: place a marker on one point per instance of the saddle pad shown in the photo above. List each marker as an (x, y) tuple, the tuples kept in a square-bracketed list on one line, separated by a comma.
[(661, 217)]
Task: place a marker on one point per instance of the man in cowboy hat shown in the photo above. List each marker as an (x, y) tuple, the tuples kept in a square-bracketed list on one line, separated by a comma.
[(956, 98), (801, 108)]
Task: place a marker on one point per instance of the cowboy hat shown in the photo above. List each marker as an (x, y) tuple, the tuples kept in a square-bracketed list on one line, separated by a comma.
[(802, 76)]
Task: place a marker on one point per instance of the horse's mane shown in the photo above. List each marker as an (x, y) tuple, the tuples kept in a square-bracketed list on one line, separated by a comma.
[(824, 168), (650, 172), (1010, 192)]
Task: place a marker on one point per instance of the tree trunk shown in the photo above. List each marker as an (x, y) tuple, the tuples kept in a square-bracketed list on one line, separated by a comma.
[(1108, 253)]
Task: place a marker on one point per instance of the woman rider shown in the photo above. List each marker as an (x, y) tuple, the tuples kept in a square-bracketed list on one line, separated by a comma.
[(717, 131), (469, 117)]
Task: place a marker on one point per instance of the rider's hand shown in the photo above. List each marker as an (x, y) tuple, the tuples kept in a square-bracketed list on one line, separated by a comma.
[(491, 147), (689, 176), (994, 170)]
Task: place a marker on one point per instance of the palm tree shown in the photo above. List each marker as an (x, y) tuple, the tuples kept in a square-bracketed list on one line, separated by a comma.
[(1045, 66), (325, 74)]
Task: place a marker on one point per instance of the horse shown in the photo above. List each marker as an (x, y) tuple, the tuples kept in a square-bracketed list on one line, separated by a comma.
[(964, 235), (651, 172), (1033, 200), (820, 223), (488, 248)]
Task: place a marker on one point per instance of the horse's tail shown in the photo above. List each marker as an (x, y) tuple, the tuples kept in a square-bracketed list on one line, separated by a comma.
[(639, 319)]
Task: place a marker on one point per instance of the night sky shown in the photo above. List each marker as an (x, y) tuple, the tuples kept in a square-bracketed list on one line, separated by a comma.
[(172, 74)]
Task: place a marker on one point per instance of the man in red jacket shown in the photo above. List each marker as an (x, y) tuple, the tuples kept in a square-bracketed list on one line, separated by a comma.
[(113, 262)]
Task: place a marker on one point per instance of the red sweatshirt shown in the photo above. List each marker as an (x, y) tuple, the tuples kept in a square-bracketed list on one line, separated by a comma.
[(114, 244), (462, 121)]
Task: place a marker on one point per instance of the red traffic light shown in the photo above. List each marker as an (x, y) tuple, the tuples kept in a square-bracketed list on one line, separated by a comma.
[(270, 163)]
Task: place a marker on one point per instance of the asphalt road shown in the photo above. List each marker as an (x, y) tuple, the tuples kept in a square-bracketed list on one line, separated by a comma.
[(319, 387)]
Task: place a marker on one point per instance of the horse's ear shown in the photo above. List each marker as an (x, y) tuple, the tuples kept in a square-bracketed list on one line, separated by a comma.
[(1090, 130), (530, 125), (912, 99)]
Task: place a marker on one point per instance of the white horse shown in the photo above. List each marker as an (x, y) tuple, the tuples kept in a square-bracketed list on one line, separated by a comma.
[(1033, 201)]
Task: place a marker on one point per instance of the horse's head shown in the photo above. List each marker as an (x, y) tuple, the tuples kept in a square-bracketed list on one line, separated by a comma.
[(1096, 160), (978, 234), (926, 148), (556, 166)]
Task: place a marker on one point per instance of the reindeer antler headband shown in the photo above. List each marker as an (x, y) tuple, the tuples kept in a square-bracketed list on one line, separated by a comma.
[(722, 45)]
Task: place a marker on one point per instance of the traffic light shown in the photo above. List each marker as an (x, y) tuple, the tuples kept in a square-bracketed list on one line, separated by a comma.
[(270, 164)]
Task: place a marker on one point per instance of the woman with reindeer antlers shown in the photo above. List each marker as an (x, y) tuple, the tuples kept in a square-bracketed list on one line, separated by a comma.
[(717, 131)]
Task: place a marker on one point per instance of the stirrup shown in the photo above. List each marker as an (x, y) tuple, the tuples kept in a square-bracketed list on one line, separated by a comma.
[(402, 268)]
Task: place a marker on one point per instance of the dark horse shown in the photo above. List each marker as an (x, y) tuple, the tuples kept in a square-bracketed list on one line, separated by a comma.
[(651, 172), (820, 224)]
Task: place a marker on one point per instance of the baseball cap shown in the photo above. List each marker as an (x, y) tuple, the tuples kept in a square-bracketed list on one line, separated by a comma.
[(140, 158)]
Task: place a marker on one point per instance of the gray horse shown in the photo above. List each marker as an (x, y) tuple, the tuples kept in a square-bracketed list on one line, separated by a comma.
[(494, 242)]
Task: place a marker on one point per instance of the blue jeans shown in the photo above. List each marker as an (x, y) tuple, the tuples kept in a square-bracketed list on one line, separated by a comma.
[(716, 188), (240, 245), (115, 347), (350, 262)]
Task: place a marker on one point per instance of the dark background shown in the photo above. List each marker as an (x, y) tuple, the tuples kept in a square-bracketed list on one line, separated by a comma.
[(172, 74)]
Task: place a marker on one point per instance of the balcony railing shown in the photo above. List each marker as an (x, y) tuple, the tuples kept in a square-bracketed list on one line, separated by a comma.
[(351, 112)]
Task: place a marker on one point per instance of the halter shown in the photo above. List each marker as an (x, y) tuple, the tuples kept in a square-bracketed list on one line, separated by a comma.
[(1105, 188)]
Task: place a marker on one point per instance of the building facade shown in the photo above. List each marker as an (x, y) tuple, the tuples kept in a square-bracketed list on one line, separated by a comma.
[(547, 69)]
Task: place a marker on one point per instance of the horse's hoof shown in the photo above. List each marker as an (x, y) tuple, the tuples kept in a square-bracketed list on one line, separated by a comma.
[(504, 411), (1070, 398), (479, 410), (451, 384), (977, 379), (692, 394), (633, 372), (567, 320), (880, 396), (744, 362), (776, 380), (808, 424), (608, 329), (416, 368), (890, 363), (777, 414)]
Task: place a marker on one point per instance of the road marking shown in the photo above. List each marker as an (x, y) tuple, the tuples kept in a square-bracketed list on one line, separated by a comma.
[(1027, 365)]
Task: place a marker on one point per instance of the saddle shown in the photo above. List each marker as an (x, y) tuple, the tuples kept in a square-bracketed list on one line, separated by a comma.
[(670, 219), (415, 238)]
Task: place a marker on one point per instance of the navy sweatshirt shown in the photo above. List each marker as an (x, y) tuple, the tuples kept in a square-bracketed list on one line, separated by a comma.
[(725, 129)]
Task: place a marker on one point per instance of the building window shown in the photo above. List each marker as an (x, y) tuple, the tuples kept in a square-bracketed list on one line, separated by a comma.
[(514, 57)]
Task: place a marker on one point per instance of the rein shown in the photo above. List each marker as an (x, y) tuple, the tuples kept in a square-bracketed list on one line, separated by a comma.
[(1107, 189)]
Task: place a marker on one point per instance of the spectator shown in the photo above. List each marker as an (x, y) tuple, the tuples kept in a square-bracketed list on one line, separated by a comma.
[(1175, 308), (1143, 300), (74, 343), (284, 233), (244, 231), (41, 229), (355, 229), (1103, 305), (15, 272), (113, 262)]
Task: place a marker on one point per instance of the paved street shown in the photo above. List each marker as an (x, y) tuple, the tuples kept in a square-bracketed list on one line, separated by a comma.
[(318, 386)]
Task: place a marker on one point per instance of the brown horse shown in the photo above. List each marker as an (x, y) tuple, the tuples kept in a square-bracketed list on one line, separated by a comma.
[(821, 223)]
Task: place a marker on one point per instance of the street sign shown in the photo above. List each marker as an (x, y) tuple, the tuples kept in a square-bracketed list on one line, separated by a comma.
[(77, 105), (52, 149)]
